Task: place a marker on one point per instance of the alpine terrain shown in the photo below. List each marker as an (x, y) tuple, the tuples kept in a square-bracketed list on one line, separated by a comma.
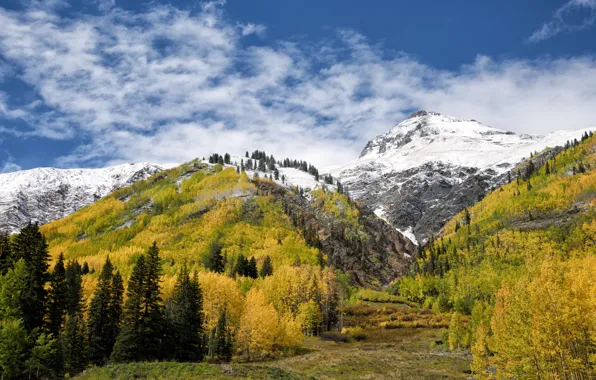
[(431, 166), (46, 194)]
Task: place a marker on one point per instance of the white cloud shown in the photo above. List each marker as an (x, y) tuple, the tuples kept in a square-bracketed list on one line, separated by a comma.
[(168, 85), (9, 165), (248, 29), (572, 16)]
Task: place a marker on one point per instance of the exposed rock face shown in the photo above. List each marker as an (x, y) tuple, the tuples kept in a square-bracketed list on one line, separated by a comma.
[(46, 194), (376, 260), (431, 166)]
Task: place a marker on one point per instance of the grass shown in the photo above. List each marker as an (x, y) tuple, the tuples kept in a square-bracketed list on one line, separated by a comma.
[(186, 371), (370, 350)]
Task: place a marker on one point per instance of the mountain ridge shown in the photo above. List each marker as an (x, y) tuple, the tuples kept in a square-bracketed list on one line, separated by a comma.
[(431, 159)]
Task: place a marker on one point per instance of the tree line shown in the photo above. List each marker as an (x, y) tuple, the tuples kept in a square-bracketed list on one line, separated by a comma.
[(47, 330)]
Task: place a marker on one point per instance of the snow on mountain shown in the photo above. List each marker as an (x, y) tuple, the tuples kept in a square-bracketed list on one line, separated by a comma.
[(431, 166), (46, 194)]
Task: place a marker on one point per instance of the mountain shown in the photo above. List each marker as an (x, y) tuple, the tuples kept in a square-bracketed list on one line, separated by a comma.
[(431, 166), (520, 263), (198, 208), (46, 194)]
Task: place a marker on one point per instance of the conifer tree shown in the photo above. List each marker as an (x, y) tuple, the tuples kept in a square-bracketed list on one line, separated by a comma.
[(241, 265), (57, 297), (74, 286), (6, 261), (101, 319), (266, 268), (222, 342), (252, 271), (214, 260), (127, 347), (115, 311), (74, 344), (143, 328), (30, 245), (185, 311)]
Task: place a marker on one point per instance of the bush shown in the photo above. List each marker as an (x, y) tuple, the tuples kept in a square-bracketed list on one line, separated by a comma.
[(335, 336), (358, 334)]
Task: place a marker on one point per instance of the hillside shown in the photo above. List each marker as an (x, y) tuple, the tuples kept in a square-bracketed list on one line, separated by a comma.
[(431, 166), (194, 208), (521, 263), (46, 194)]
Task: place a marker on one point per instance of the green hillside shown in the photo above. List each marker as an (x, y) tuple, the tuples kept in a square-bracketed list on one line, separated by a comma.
[(521, 262)]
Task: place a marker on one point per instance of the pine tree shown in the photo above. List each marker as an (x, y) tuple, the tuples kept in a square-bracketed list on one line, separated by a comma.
[(98, 328), (252, 271), (6, 261), (266, 268), (127, 347), (214, 260), (57, 297), (222, 341), (30, 245), (241, 265), (74, 287), (186, 318), (74, 344), (112, 328), (143, 328)]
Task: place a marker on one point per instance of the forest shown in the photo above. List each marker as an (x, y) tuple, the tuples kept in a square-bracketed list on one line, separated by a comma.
[(517, 271)]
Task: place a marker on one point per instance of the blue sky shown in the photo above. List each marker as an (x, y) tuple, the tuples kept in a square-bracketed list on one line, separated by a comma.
[(99, 82)]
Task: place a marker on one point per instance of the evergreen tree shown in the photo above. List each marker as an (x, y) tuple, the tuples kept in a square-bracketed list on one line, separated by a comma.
[(101, 339), (73, 340), (222, 341), (30, 245), (6, 261), (127, 347), (112, 328), (74, 344), (143, 328), (266, 268), (74, 281), (214, 260), (185, 311), (252, 271), (241, 265), (57, 297), (85, 268)]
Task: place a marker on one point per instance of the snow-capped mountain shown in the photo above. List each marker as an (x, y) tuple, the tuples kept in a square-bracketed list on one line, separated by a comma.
[(46, 194), (431, 166)]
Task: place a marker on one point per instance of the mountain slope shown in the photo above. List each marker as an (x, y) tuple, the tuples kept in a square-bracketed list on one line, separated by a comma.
[(46, 194), (431, 166), (196, 208), (521, 263)]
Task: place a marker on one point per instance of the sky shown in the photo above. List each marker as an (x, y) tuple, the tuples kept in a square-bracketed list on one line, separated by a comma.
[(94, 83)]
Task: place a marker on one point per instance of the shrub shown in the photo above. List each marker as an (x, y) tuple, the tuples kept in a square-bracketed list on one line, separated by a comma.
[(335, 336)]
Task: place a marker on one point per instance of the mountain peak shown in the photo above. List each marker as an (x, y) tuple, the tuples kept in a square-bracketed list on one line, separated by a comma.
[(422, 113)]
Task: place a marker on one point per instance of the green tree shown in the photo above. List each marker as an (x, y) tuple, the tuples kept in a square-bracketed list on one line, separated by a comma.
[(74, 281), (241, 265), (127, 347), (214, 260), (100, 329), (222, 342), (266, 268), (30, 245), (5, 254), (144, 328), (252, 271), (42, 357), (57, 297), (13, 348), (185, 311), (74, 344)]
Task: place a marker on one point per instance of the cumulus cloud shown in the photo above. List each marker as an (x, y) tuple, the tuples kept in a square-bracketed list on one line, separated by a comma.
[(169, 85), (572, 16)]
